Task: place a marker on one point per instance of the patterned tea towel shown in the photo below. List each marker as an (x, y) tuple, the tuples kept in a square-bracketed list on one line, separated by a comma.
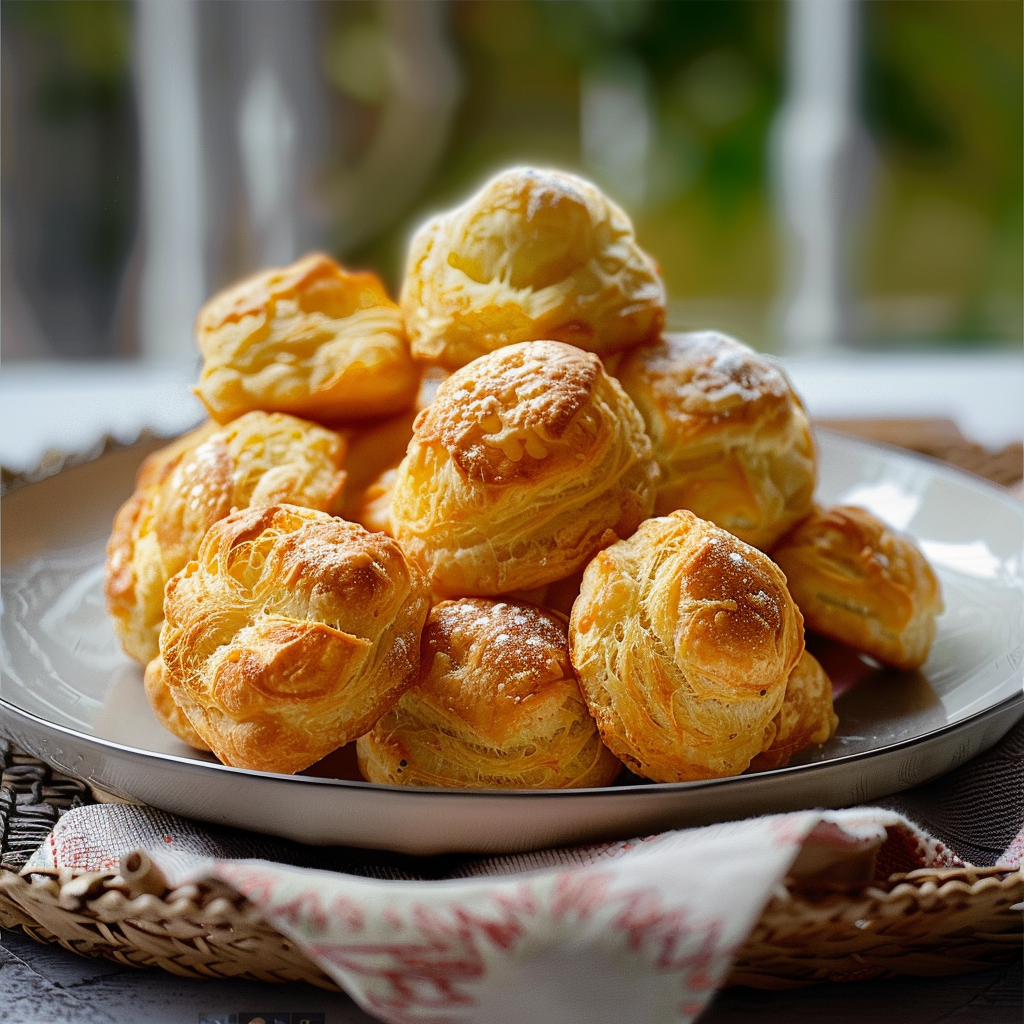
[(642, 930)]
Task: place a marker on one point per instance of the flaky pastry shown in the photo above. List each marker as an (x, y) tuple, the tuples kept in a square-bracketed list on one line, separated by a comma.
[(290, 634), (683, 638), (527, 461), (258, 459), (858, 581), (730, 435), (497, 706), (374, 508), (158, 466), (133, 585), (166, 711), (806, 717), (312, 339), (536, 254), (374, 452)]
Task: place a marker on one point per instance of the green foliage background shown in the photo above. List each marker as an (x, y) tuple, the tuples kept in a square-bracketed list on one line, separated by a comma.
[(937, 254)]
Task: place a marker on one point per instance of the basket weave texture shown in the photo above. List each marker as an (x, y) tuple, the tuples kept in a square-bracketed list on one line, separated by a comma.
[(927, 922)]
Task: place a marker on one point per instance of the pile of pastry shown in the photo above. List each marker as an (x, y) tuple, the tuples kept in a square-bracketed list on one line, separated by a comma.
[(502, 533)]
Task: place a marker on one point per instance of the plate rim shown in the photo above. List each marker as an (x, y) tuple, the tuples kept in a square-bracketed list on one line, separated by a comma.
[(1003, 707), (931, 462)]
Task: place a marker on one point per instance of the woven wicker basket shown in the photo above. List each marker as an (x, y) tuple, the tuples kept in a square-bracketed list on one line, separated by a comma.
[(927, 922), (197, 931), (930, 922)]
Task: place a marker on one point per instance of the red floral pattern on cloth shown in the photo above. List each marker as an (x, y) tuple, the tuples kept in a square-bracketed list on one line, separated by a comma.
[(415, 960), (1013, 855), (638, 930)]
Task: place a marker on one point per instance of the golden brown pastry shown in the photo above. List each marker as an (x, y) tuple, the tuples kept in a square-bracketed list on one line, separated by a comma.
[(731, 437), (167, 712), (374, 451), (257, 459), (683, 638), (535, 254), (806, 717), (133, 588), (156, 467), (290, 634), (312, 339), (374, 510), (497, 706), (527, 461), (860, 582)]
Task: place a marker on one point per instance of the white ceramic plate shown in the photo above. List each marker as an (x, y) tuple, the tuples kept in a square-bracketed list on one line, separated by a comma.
[(69, 696)]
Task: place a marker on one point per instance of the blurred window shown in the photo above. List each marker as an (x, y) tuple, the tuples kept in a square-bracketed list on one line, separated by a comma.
[(342, 125), (69, 178)]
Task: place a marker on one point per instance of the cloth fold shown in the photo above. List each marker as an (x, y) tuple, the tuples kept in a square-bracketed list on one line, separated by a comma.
[(645, 929)]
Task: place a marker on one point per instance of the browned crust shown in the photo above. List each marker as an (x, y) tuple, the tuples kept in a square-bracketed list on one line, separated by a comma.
[(535, 254), (528, 461), (861, 582), (312, 339), (290, 634), (498, 705), (806, 717), (260, 458), (731, 437), (683, 638)]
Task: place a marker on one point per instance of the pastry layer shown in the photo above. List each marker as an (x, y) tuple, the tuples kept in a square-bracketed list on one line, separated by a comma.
[(535, 254), (497, 706), (683, 638), (527, 462), (730, 435), (311, 339), (290, 634)]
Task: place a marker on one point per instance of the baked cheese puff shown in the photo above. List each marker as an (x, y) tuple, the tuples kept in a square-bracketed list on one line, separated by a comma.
[(805, 719), (158, 465), (497, 706), (374, 508), (312, 339), (731, 437), (376, 449), (258, 459), (536, 254), (858, 581), (527, 461), (683, 638), (128, 585), (290, 634), (166, 711)]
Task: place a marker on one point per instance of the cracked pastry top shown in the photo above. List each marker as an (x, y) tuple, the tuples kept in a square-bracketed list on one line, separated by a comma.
[(730, 435), (683, 638), (497, 706), (312, 339), (289, 635), (258, 459), (863, 583), (535, 254), (527, 462)]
